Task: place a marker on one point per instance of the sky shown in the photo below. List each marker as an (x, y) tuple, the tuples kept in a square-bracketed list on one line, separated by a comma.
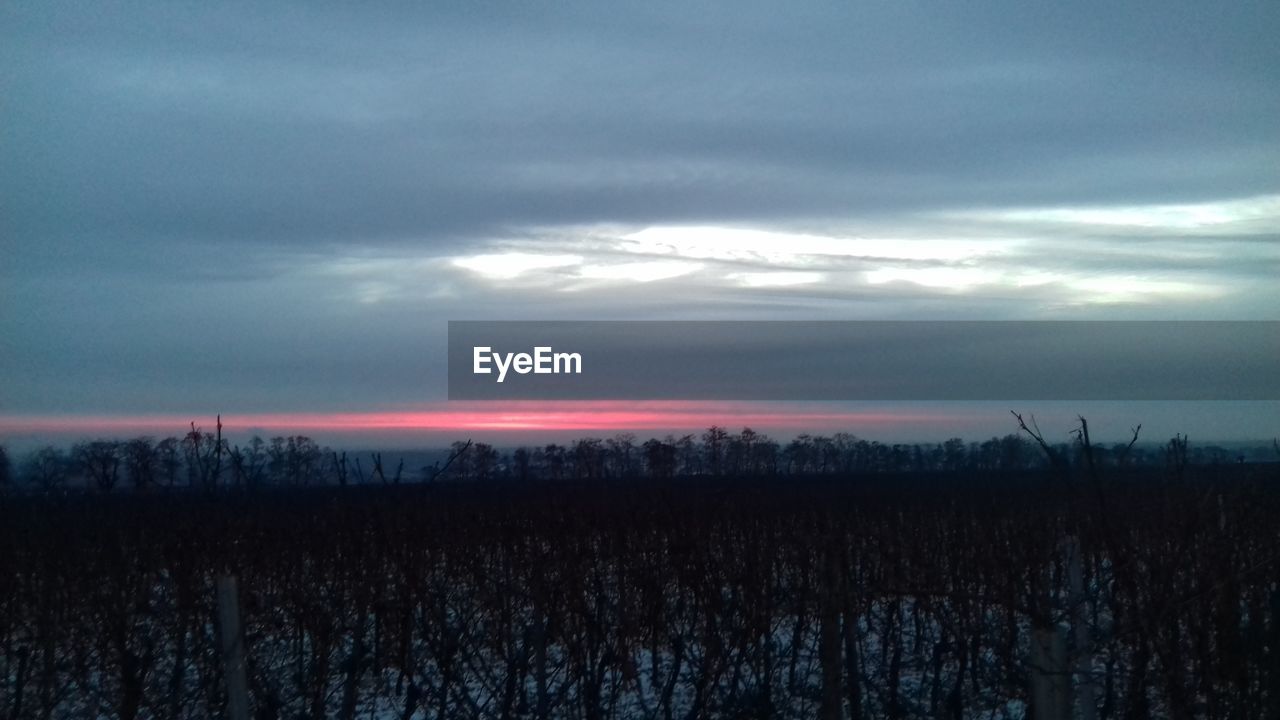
[(271, 210)]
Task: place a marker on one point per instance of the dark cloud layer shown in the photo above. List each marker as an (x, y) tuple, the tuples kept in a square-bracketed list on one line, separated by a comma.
[(301, 123)]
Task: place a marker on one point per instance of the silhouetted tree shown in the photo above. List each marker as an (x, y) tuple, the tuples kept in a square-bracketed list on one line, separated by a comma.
[(554, 460), (296, 460), (621, 455), (660, 457), (522, 461), (714, 443), (588, 459), (203, 454), (249, 465), (800, 455), (99, 461), (483, 461), (169, 460), (689, 456), (764, 456), (141, 462), (1175, 454)]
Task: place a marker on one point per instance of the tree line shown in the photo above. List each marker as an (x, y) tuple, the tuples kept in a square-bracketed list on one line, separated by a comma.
[(206, 460)]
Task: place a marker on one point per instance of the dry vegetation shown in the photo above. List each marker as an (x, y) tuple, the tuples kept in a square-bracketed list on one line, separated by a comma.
[(729, 595)]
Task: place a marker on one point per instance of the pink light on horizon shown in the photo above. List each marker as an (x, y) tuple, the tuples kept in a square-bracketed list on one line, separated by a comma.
[(486, 417)]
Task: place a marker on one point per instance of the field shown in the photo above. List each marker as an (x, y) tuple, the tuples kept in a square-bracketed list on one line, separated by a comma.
[(909, 595)]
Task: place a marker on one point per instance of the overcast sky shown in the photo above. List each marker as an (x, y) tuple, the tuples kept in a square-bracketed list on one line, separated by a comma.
[(274, 208)]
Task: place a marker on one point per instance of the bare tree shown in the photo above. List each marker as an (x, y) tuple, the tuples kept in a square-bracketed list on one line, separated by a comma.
[(99, 461), (46, 468), (249, 465), (1175, 454), (715, 442), (142, 462), (621, 454), (204, 456), (457, 454), (169, 460), (659, 458)]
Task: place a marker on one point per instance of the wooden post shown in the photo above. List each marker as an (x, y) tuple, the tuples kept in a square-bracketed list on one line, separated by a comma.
[(231, 645), (1050, 679), (832, 707), (1086, 692)]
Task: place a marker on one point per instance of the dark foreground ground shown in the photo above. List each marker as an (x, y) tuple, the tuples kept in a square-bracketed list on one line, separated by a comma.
[(904, 597)]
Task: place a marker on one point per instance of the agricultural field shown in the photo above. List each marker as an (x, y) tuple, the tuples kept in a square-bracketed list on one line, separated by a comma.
[(858, 595)]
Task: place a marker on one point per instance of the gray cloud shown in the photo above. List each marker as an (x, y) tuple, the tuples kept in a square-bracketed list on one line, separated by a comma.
[(305, 125), (273, 205)]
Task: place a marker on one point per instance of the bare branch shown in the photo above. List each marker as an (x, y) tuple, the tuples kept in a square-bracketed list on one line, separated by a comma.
[(1082, 436), (1034, 431), (1124, 454), (454, 456)]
